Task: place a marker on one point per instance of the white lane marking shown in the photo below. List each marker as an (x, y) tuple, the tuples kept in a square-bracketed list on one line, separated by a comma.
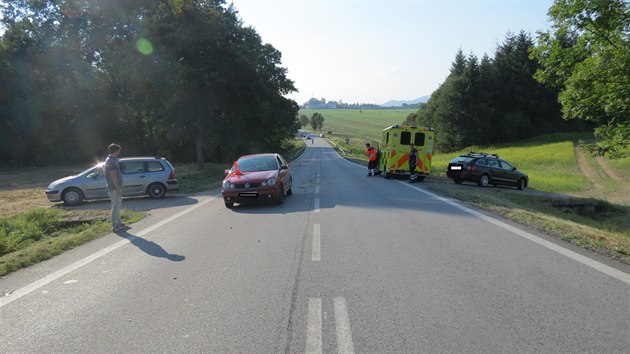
[(316, 254), (316, 208), (314, 326), (342, 327), (617, 274), (71, 281), (80, 263)]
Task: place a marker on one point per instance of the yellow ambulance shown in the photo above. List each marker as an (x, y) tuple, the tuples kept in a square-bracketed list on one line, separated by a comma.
[(394, 150)]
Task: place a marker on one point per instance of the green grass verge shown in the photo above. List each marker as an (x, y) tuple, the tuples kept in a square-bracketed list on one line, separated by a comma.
[(40, 234)]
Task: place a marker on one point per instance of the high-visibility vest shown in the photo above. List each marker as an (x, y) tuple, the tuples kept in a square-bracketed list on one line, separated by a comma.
[(372, 154)]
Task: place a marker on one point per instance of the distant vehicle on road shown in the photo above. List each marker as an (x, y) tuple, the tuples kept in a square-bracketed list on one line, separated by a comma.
[(485, 169), (153, 176), (257, 177)]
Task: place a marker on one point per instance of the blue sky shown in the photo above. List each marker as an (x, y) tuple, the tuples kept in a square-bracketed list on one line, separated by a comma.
[(375, 51)]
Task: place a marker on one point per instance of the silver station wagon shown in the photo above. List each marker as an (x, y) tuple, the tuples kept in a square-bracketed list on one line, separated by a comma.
[(152, 176)]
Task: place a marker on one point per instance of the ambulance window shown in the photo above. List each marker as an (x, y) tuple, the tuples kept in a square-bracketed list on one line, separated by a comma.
[(405, 138), (419, 140)]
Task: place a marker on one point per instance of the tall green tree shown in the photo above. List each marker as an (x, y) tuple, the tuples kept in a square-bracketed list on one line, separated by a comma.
[(304, 121), (317, 121), (182, 78), (587, 55), (492, 100)]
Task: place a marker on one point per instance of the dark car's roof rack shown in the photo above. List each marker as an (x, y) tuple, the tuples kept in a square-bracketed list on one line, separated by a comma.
[(484, 154)]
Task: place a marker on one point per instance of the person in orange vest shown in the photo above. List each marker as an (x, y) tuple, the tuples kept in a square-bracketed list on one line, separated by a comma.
[(372, 155)]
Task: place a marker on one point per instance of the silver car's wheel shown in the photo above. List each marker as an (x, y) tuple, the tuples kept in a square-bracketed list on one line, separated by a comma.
[(72, 196), (484, 180), (156, 190)]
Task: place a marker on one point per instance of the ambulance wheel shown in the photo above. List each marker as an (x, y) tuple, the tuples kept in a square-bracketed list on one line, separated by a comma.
[(420, 178), (229, 205), (387, 175)]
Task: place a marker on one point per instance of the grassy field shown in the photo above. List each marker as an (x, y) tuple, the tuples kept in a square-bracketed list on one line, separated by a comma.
[(359, 126), (548, 160)]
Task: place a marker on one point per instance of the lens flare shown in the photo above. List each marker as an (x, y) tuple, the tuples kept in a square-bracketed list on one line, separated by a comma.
[(144, 46)]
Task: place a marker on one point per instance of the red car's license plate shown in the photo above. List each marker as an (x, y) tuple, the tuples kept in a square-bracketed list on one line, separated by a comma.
[(248, 194)]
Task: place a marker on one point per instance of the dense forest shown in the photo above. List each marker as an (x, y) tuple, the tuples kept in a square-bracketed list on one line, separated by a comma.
[(576, 76), (187, 80), (493, 100), (182, 79)]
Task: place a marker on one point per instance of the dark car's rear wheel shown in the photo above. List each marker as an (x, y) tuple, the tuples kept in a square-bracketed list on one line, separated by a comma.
[(457, 180), (156, 190), (521, 184), (72, 196), (484, 181)]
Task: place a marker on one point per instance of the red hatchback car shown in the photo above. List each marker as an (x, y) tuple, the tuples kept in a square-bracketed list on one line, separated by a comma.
[(257, 177)]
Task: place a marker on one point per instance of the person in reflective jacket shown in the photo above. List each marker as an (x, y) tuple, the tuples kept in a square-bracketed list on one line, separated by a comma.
[(372, 155)]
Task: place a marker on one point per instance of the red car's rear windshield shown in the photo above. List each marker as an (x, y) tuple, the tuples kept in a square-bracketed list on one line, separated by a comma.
[(257, 163)]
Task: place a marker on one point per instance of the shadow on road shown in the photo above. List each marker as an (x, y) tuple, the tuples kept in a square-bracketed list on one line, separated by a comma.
[(140, 204), (149, 247)]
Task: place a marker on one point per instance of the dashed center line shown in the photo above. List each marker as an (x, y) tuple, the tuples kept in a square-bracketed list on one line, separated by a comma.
[(316, 255), (342, 326), (314, 326)]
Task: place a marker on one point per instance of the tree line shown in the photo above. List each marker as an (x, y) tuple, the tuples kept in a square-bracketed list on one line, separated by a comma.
[(491, 100), (182, 79), (575, 78)]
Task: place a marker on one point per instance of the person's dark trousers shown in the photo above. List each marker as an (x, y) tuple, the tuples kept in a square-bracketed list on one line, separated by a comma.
[(412, 174)]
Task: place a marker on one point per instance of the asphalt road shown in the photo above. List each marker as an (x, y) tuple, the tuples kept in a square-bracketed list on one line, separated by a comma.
[(348, 263)]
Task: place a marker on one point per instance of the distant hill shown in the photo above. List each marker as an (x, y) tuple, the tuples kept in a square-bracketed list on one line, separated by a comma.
[(422, 99)]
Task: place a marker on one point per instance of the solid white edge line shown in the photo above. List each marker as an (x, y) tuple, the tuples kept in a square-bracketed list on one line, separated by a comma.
[(80, 263), (617, 274), (316, 254), (342, 327), (314, 326)]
